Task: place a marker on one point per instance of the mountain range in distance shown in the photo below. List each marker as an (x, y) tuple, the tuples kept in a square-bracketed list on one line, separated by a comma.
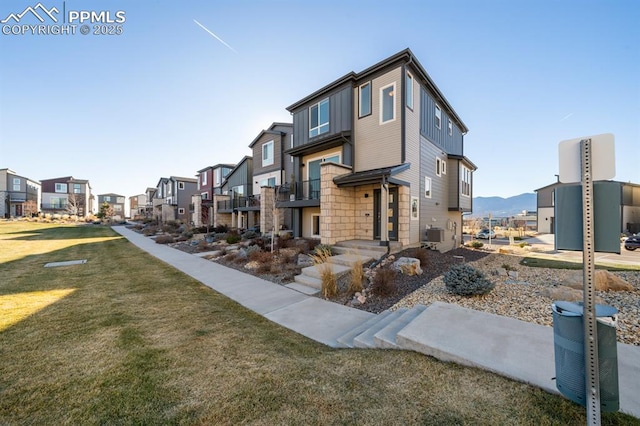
[(503, 207)]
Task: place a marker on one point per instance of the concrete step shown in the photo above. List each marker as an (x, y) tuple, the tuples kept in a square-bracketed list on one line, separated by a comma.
[(308, 281), (365, 339), (374, 254), (303, 288), (386, 338), (350, 259), (315, 271), (346, 340)]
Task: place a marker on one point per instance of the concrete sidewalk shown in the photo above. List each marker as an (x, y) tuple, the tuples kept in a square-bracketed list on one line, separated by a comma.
[(516, 349)]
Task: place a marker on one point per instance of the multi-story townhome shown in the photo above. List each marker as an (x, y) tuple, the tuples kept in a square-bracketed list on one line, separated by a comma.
[(150, 193), (626, 195), (19, 196), (66, 195), (379, 155), (173, 198), (272, 169), (138, 206), (115, 202), (210, 181), (234, 207)]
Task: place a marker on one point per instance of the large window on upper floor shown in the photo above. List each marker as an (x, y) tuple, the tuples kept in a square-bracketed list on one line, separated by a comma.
[(203, 178), (16, 184), (267, 154), (61, 187), (217, 177), (364, 106), (319, 118), (465, 181), (77, 188), (438, 120), (388, 103)]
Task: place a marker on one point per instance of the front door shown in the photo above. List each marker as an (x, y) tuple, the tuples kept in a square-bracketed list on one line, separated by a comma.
[(392, 211)]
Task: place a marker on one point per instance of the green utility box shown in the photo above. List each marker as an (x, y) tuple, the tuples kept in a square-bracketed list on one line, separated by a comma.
[(568, 339)]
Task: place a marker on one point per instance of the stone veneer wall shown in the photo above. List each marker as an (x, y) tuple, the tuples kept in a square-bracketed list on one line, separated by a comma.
[(221, 218), (364, 212), (337, 206), (404, 215), (267, 196)]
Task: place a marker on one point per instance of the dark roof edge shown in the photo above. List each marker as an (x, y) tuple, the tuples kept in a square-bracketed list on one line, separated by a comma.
[(463, 158), (347, 77)]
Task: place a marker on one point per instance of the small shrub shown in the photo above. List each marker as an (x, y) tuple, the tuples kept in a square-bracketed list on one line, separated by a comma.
[(423, 256), (329, 282), (203, 245), (476, 244), (384, 282), (508, 267), (164, 239), (150, 230), (323, 250), (254, 252), (233, 237), (250, 235), (356, 277), (221, 229), (523, 244), (464, 280)]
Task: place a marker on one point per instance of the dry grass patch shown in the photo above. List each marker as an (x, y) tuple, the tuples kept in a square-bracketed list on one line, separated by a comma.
[(138, 342)]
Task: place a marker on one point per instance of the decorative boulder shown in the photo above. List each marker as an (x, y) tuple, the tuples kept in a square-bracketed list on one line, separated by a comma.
[(604, 281), (569, 294), (408, 266)]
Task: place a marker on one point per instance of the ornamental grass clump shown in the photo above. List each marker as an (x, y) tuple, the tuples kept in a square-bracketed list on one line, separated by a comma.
[(464, 280)]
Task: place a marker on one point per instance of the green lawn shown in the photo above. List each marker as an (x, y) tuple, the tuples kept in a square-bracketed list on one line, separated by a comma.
[(126, 339)]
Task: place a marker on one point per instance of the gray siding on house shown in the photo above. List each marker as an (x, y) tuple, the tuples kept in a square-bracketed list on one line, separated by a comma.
[(257, 153), (439, 136), (241, 176), (340, 110)]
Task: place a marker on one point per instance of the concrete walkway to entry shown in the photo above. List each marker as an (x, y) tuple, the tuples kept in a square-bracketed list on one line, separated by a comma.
[(516, 349)]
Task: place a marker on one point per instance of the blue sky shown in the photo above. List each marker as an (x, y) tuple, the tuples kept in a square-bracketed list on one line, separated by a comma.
[(165, 97)]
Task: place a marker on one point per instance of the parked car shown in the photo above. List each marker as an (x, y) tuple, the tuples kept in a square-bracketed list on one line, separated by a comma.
[(632, 242), (485, 234)]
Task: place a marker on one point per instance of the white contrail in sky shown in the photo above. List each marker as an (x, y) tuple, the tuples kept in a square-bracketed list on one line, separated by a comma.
[(216, 37), (566, 116)]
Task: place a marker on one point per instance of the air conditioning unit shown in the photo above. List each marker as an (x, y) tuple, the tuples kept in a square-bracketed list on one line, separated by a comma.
[(435, 235)]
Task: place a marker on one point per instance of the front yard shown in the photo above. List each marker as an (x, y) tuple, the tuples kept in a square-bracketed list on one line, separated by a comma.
[(126, 339)]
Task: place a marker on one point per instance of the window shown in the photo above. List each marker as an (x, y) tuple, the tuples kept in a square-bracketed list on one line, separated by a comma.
[(271, 182), (427, 187), (465, 181), (217, 173), (61, 187), (117, 208), (16, 184), (180, 185), (107, 198), (441, 166), (267, 154), (387, 103), (204, 195), (438, 116), (315, 219), (409, 90), (120, 200), (365, 100), (180, 210), (450, 126), (203, 178), (290, 157), (414, 208), (319, 118), (58, 202)]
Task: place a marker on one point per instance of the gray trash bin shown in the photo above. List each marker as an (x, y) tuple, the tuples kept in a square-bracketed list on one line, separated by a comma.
[(568, 338)]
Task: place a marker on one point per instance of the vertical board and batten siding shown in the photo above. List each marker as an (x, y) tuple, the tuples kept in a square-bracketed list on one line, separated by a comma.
[(340, 110), (378, 145), (449, 144), (287, 164), (258, 168), (241, 177)]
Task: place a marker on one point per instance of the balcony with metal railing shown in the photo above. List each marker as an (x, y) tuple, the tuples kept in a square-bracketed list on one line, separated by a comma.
[(307, 190)]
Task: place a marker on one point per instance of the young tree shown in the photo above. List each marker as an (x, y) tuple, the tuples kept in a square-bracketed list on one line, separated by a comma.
[(106, 211)]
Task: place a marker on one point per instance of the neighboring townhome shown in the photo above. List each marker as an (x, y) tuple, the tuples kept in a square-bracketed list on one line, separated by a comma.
[(272, 169), (150, 193), (19, 196), (210, 181), (67, 195), (115, 202), (624, 194), (234, 206), (379, 155), (138, 206), (173, 198)]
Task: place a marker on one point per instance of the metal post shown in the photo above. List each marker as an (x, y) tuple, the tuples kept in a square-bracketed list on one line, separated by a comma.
[(592, 385)]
